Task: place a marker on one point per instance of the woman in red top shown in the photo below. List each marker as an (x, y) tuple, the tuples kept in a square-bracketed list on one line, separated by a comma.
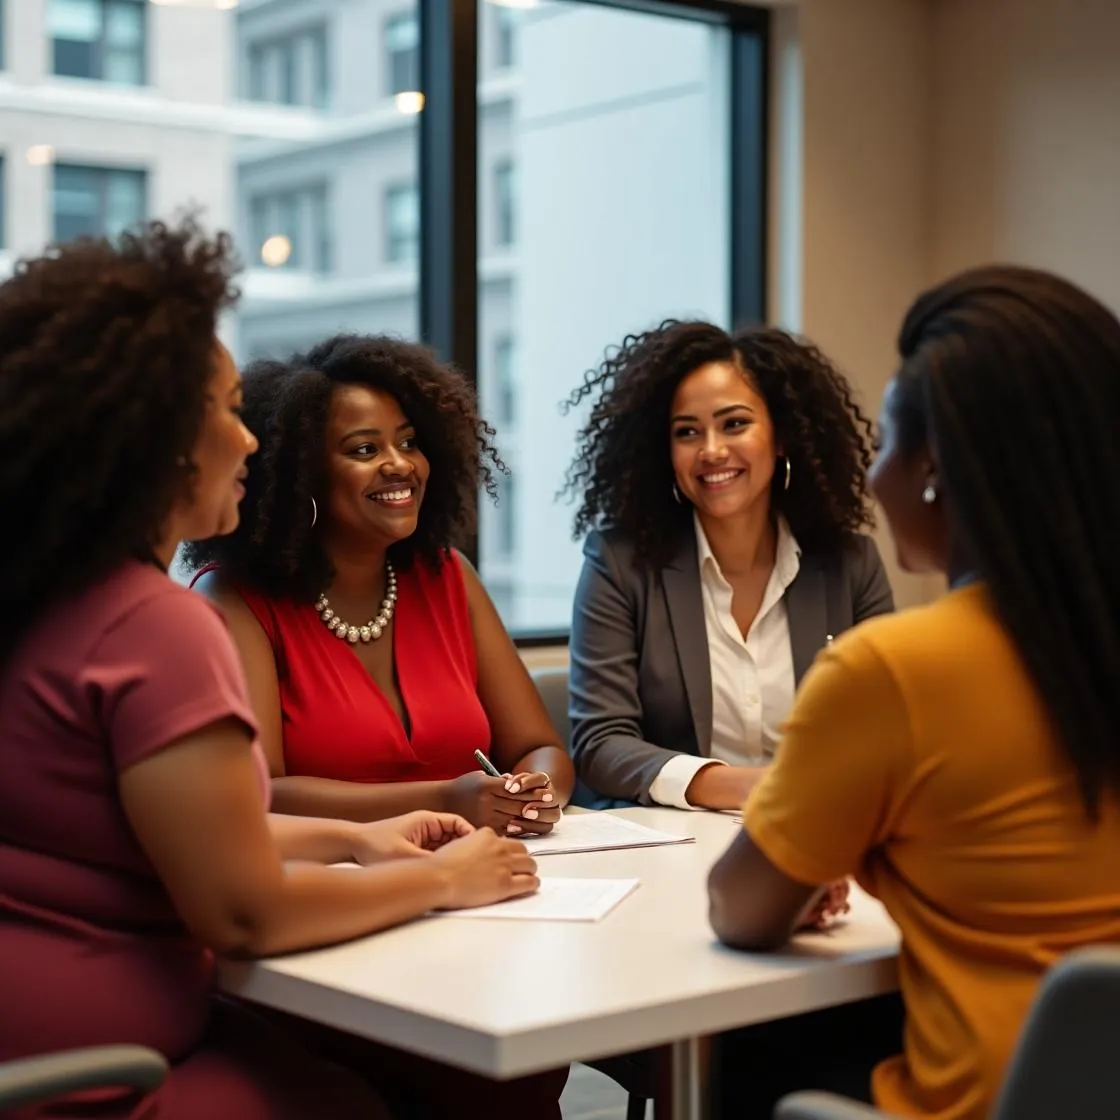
[(376, 661)]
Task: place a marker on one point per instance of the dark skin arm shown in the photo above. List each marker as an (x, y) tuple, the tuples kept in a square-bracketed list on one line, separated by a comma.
[(478, 798), (754, 906)]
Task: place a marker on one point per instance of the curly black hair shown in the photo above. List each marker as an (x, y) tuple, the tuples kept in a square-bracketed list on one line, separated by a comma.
[(106, 354), (275, 550), (623, 471), (1012, 375)]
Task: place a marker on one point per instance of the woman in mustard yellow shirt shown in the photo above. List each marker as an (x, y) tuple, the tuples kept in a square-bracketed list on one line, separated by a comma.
[(971, 779)]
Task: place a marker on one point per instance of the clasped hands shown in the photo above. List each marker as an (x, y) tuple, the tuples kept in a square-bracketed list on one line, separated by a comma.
[(522, 804)]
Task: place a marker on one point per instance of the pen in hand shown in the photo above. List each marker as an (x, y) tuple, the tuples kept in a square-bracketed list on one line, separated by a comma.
[(486, 765)]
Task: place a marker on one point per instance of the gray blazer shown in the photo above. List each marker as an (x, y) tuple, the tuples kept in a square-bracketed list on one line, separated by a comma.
[(640, 677)]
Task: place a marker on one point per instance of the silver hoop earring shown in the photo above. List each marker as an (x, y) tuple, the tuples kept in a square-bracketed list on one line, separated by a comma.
[(788, 472), (929, 495), (314, 513), (676, 493)]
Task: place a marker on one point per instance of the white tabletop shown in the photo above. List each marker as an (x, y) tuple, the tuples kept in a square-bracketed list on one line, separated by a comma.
[(506, 998)]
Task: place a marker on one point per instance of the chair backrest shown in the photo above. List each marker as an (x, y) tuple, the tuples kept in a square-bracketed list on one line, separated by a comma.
[(552, 684), (1067, 1063)]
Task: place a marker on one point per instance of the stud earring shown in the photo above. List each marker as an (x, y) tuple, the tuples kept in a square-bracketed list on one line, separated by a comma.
[(929, 494), (314, 513)]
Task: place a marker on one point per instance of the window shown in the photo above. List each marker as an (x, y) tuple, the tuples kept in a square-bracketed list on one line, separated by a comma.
[(291, 70), (505, 390), (402, 224), (3, 193), (97, 201), (610, 169), (505, 28), (291, 228), (402, 49), (506, 537), (100, 39), (505, 229)]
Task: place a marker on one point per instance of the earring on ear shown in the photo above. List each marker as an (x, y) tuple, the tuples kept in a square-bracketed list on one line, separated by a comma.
[(676, 493), (314, 513), (788, 472), (929, 494)]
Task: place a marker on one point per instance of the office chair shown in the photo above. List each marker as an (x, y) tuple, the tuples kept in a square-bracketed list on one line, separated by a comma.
[(640, 1073), (29, 1081), (1065, 1064)]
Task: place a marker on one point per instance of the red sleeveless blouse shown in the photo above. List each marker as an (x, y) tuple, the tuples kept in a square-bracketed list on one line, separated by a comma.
[(338, 724)]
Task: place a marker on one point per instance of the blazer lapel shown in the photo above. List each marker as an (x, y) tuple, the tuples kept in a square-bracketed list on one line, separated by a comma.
[(807, 612), (685, 603)]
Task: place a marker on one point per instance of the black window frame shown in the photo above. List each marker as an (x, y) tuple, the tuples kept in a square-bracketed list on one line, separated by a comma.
[(449, 201)]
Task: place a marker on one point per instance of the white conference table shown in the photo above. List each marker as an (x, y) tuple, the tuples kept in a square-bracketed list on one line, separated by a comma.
[(507, 998)]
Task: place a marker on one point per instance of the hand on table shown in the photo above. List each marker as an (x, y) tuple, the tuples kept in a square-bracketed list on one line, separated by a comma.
[(513, 803), (832, 904), (414, 834), (484, 867)]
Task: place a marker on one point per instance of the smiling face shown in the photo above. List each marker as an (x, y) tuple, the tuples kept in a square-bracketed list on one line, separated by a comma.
[(377, 473), (721, 441)]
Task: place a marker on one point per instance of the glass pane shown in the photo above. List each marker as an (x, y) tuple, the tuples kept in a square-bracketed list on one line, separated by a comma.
[(124, 24), (76, 202), (607, 166), (402, 223), (74, 59), (75, 20), (402, 54), (125, 200), (335, 274), (125, 66)]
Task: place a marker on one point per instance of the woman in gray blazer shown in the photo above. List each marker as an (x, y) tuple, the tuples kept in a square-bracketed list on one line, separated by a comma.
[(723, 478)]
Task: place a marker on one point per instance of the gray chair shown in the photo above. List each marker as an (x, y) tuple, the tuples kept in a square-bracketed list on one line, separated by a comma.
[(640, 1074), (1065, 1064), (29, 1081)]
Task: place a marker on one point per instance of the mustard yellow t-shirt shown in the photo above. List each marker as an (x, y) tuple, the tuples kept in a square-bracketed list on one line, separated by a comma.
[(920, 757)]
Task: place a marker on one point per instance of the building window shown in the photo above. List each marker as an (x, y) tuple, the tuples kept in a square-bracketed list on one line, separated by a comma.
[(402, 50), (291, 69), (3, 192), (504, 382), (504, 203), (291, 228), (100, 39), (402, 223), (505, 28), (97, 201)]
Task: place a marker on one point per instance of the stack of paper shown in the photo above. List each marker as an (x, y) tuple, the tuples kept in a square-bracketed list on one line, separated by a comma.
[(598, 832), (558, 900)]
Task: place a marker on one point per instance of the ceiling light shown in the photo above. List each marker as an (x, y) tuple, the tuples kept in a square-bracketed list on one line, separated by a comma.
[(276, 251), (39, 155)]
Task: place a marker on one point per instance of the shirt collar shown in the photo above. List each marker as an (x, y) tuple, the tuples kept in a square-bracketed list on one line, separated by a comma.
[(787, 554)]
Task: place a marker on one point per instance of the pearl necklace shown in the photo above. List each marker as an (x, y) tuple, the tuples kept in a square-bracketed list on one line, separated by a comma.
[(372, 629)]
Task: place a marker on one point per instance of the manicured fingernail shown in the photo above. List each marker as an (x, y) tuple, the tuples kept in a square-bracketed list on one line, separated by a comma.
[(546, 797), (513, 828), (531, 814), (513, 787)]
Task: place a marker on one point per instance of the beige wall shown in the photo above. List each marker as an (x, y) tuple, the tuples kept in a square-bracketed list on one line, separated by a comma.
[(851, 167), (1026, 131), (913, 138)]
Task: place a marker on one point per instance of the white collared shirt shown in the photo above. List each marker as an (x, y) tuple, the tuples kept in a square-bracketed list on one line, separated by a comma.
[(752, 678)]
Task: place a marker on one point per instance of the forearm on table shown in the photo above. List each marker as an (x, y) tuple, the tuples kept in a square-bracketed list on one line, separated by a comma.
[(620, 765), (316, 905), (354, 801), (314, 839), (556, 764), (722, 787)]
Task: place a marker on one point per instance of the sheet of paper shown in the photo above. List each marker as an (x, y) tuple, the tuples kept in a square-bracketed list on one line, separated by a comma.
[(558, 900), (598, 832)]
